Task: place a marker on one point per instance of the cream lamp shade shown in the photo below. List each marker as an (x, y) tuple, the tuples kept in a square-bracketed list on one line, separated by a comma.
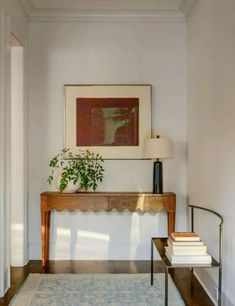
[(158, 148)]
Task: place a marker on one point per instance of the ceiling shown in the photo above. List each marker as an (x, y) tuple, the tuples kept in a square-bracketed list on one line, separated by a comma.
[(50, 7)]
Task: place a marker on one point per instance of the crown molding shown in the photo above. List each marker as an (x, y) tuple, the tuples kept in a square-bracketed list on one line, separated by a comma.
[(186, 6), (26, 6), (106, 15)]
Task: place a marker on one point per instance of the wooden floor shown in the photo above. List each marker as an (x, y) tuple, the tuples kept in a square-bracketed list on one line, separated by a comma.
[(194, 296)]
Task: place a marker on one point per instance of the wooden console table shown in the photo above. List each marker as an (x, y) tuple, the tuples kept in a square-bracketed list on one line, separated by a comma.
[(95, 201)]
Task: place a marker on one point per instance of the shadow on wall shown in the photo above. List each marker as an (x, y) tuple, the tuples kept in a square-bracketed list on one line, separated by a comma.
[(113, 236)]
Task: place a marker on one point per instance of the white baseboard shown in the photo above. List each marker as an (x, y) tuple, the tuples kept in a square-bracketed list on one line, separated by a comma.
[(205, 288), (225, 299)]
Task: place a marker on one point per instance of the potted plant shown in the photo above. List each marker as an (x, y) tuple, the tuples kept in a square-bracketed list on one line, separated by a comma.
[(82, 170)]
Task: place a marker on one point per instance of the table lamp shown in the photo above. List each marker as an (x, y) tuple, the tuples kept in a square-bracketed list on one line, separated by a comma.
[(156, 148)]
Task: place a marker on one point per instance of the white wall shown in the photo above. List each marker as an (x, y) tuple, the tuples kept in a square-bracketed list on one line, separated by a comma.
[(105, 52), (211, 125)]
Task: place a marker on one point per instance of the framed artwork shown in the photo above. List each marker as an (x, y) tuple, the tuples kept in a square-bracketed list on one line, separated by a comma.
[(112, 120)]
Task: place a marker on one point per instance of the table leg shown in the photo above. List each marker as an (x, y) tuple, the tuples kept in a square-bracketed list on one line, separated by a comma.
[(170, 222), (166, 286), (220, 287), (191, 280), (151, 262), (45, 236)]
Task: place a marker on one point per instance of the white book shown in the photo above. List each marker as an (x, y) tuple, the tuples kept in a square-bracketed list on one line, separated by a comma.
[(187, 251), (185, 243), (188, 262), (189, 259)]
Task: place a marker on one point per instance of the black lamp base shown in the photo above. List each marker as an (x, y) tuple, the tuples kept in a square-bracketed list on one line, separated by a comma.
[(157, 177)]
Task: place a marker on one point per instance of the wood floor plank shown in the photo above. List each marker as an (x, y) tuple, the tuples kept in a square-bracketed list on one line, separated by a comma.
[(195, 297)]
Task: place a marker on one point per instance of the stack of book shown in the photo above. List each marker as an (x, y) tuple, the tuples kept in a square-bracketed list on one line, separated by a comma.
[(187, 248)]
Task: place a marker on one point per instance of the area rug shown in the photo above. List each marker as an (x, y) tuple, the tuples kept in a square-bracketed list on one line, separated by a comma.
[(95, 290)]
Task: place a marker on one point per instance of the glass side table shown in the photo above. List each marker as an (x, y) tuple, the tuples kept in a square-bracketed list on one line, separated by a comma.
[(159, 244)]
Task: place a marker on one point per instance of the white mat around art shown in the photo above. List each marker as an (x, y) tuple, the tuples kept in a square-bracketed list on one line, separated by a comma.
[(95, 290)]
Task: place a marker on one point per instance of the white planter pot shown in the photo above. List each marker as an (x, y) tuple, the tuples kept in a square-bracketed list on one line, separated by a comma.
[(71, 188)]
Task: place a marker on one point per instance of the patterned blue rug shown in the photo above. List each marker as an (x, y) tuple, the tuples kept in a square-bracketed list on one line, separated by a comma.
[(95, 290)]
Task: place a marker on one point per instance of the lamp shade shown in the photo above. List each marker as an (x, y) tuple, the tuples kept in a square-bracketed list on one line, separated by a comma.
[(158, 148)]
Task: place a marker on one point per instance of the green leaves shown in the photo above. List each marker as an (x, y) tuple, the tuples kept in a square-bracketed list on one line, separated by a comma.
[(85, 167), (90, 170)]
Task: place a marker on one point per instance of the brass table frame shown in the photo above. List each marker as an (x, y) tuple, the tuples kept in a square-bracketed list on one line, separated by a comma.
[(159, 243)]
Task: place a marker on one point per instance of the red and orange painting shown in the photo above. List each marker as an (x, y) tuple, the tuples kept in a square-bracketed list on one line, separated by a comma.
[(107, 121)]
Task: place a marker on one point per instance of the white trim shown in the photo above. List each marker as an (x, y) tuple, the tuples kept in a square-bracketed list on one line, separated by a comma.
[(26, 6), (186, 6), (205, 288), (106, 15), (2, 124), (18, 181), (5, 147), (26, 136)]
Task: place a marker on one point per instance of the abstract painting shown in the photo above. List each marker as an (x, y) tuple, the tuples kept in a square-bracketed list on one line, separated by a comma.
[(112, 120)]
